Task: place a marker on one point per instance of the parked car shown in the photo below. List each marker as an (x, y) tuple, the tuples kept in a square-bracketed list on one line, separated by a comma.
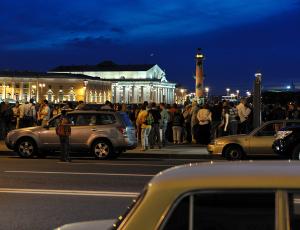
[(228, 195), (104, 133), (257, 142), (287, 142)]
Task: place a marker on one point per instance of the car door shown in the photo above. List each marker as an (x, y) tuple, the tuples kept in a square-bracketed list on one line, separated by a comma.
[(82, 129), (260, 142), (48, 138)]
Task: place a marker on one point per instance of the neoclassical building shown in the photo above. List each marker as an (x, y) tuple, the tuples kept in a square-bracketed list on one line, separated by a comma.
[(55, 87), (129, 83)]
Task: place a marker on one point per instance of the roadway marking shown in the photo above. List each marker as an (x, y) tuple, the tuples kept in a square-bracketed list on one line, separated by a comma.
[(69, 192), (79, 173), (120, 164)]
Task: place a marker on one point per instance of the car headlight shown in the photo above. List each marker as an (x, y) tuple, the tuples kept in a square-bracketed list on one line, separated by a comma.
[(283, 134)]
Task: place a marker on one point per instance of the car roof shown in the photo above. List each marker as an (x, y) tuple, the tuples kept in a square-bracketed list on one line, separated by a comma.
[(229, 175)]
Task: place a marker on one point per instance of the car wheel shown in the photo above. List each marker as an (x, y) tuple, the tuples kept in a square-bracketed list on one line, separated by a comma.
[(296, 153), (233, 152), (26, 148), (102, 149)]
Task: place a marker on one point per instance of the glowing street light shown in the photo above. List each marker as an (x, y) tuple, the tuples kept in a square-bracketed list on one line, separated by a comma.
[(206, 91), (85, 83), (237, 93), (248, 93), (227, 90)]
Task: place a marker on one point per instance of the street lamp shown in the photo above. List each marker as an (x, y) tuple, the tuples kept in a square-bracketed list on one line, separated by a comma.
[(85, 83), (237, 94), (248, 93), (182, 91), (227, 90), (207, 91)]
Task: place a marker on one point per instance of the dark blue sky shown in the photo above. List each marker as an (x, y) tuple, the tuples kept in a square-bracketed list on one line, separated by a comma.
[(237, 37)]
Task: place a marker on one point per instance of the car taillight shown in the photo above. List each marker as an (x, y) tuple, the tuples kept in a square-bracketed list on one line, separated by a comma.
[(123, 131)]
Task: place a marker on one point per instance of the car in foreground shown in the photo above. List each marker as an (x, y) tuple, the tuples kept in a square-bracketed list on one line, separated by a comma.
[(287, 142), (257, 142), (224, 195), (105, 134)]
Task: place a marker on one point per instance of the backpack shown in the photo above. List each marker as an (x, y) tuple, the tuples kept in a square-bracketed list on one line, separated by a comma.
[(63, 129), (149, 119)]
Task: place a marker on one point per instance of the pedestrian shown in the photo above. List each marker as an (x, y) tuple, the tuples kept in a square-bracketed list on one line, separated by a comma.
[(144, 120), (55, 111), (194, 120), (204, 117), (233, 119), (177, 125), (224, 126), (107, 106), (15, 116), (44, 113), (154, 136), (216, 111), (29, 114), (165, 117), (241, 108), (63, 131), (187, 134)]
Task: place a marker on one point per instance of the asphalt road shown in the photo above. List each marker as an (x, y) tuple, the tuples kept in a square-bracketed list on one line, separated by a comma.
[(45, 193)]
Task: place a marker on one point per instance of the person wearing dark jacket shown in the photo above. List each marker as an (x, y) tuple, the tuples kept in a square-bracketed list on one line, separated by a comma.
[(154, 136), (177, 125)]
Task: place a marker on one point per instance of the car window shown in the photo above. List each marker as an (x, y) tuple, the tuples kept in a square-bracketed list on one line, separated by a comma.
[(54, 122), (270, 129), (105, 119), (292, 124), (294, 208), (224, 210), (82, 120)]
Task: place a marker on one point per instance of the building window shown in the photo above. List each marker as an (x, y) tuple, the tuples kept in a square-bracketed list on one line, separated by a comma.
[(50, 95)]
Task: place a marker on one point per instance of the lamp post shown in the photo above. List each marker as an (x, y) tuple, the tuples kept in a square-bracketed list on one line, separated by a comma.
[(227, 90), (85, 83), (206, 91), (237, 94), (257, 100), (182, 91)]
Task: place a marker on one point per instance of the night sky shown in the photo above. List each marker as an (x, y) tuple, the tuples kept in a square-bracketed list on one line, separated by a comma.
[(237, 37)]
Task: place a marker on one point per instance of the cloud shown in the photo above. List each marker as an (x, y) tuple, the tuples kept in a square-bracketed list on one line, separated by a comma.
[(35, 24)]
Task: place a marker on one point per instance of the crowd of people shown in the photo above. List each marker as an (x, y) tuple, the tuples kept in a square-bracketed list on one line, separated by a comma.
[(160, 124)]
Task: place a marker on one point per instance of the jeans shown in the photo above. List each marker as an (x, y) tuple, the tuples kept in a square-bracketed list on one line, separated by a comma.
[(64, 146), (177, 134), (154, 136), (145, 137), (163, 135)]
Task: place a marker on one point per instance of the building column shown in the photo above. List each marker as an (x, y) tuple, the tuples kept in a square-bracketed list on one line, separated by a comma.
[(115, 94), (3, 90), (132, 94), (142, 94), (21, 91)]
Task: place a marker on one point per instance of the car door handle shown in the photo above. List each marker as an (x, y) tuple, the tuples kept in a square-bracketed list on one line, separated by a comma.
[(94, 129)]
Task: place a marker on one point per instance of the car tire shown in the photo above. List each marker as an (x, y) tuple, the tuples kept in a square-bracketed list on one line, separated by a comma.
[(26, 148), (102, 149), (296, 153), (233, 152)]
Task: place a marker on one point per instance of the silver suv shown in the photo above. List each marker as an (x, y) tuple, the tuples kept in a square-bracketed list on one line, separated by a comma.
[(106, 134)]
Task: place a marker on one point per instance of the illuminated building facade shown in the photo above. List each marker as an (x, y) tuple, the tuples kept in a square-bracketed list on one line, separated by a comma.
[(56, 88), (129, 83)]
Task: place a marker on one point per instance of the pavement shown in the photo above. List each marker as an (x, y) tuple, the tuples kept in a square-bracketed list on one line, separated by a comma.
[(45, 193), (188, 151)]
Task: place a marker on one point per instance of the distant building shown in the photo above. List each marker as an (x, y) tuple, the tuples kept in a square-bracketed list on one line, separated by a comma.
[(129, 83), (55, 87)]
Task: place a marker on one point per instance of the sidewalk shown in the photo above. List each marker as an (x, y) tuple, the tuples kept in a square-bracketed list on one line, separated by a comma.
[(170, 151)]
